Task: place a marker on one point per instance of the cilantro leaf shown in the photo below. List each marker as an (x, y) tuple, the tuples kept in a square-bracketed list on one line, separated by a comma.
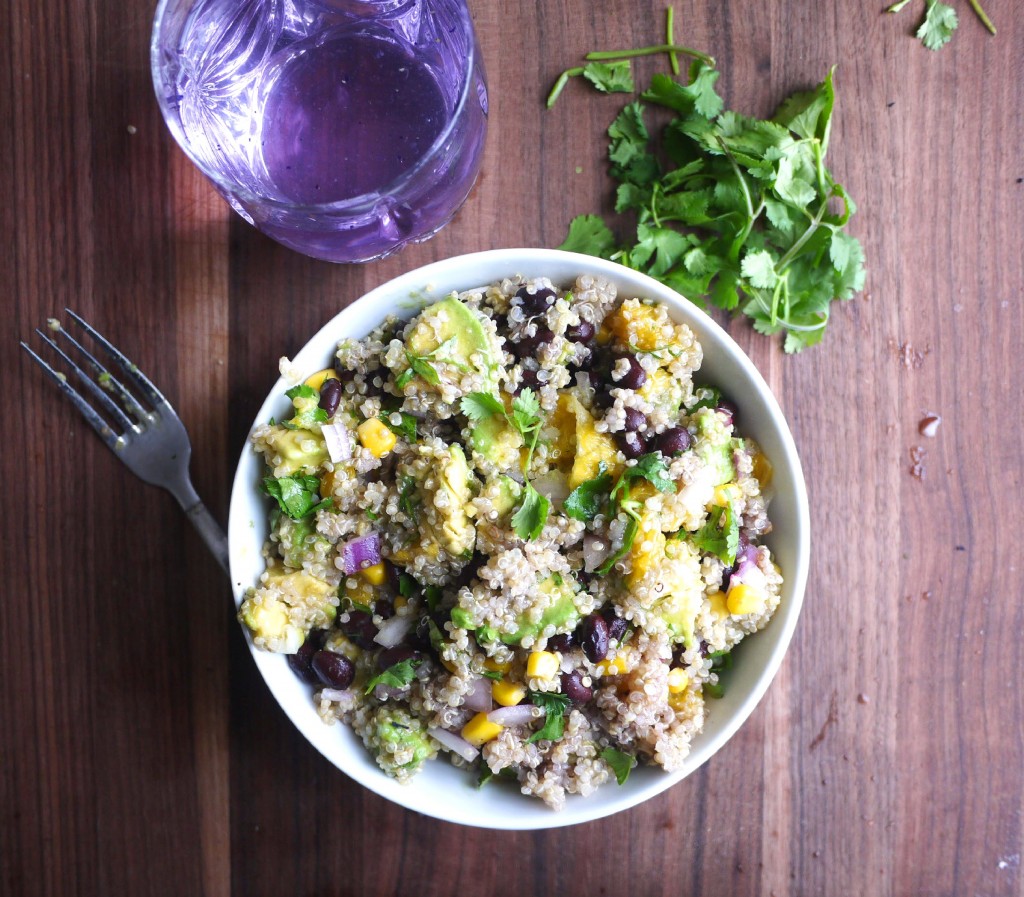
[(585, 501), (398, 675), (612, 77), (628, 537), (529, 520), (526, 412), (720, 535), (620, 762), (407, 498), (478, 406), (939, 23), (298, 496), (590, 235), (423, 369), (308, 414), (406, 429), (651, 467), (555, 707)]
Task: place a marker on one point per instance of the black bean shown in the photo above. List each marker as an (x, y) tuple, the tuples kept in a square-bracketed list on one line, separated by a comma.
[(674, 441), (593, 637), (383, 608), (301, 662), (330, 396), (633, 445), (581, 333), (634, 419), (635, 377), (334, 670), (528, 381), (536, 303), (562, 642), (530, 345), (616, 625), (574, 689), (344, 374), (360, 629), (390, 656)]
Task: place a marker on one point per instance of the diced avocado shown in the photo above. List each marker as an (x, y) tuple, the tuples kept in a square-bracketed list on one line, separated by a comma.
[(298, 539), (457, 533), (282, 611), (294, 458), (562, 613), (497, 441), (508, 494), (398, 741), (452, 322), (679, 612), (718, 458)]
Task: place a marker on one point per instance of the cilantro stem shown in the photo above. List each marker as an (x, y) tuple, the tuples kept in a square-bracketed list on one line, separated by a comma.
[(976, 6), (794, 250), (650, 51), (673, 58), (563, 79)]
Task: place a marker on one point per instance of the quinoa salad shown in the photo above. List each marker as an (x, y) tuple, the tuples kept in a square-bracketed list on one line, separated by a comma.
[(513, 533)]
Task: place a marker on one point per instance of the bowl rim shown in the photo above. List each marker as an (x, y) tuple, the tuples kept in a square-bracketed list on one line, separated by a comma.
[(509, 262)]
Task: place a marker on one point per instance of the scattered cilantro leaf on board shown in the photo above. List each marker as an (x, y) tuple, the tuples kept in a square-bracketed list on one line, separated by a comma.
[(732, 211), (940, 21), (610, 77)]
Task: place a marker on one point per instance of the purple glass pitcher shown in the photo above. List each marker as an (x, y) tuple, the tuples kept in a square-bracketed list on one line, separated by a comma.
[(343, 129)]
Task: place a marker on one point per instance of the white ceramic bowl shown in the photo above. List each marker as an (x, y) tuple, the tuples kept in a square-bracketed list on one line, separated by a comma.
[(440, 790)]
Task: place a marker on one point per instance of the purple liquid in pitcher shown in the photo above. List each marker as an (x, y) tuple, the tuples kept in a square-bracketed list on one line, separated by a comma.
[(343, 136)]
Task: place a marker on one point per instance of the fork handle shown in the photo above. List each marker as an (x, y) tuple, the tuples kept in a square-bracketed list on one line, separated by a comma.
[(210, 531)]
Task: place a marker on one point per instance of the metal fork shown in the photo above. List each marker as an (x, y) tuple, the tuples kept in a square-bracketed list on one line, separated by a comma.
[(152, 442)]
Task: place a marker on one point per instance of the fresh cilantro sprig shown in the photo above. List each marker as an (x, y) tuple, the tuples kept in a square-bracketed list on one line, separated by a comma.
[(422, 365), (397, 675), (555, 707), (298, 496), (744, 215), (586, 500), (308, 413), (654, 469), (720, 535), (940, 21), (620, 762), (525, 417)]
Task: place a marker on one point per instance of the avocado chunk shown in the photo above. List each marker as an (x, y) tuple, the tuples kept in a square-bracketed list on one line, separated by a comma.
[(298, 540), (449, 331), (281, 612), (561, 613), (398, 741), (301, 451), (496, 440), (456, 532)]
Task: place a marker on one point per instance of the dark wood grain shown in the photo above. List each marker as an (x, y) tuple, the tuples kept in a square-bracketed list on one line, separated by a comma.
[(140, 752)]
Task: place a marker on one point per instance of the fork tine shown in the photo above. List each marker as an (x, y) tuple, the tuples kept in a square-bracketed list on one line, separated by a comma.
[(94, 388), (101, 427), (131, 403), (131, 370)]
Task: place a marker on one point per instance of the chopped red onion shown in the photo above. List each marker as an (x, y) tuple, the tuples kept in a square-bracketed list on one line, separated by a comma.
[(334, 694), (553, 486), (454, 743), (392, 631), (595, 550), (583, 380), (338, 441), (360, 553), (479, 699), (520, 715)]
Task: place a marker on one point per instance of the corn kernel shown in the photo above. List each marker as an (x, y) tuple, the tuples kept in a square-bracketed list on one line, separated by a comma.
[(327, 484), (725, 495), (615, 666), (375, 575), (508, 694), (744, 599), (448, 665), (479, 730), (679, 701), (719, 607), (399, 602), (541, 665), (497, 666), (604, 333), (317, 380), (677, 680), (375, 436), (762, 469)]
